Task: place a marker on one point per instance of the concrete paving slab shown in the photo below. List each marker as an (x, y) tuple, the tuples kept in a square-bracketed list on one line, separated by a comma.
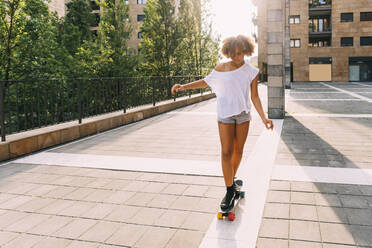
[(312, 186)]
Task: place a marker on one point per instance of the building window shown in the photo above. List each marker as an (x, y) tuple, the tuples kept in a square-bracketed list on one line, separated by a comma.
[(139, 35), (295, 43), (320, 60), (141, 1), (347, 41), (347, 17), (140, 18), (366, 41), (294, 19), (365, 16)]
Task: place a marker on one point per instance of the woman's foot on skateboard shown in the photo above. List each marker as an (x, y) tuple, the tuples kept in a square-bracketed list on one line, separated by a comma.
[(228, 201)]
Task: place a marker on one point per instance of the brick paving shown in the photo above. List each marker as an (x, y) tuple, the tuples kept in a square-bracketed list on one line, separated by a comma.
[(321, 215), (305, 214), (106, 207)]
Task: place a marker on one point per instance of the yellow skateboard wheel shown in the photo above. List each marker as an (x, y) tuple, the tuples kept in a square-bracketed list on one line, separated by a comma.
[(219, 216)]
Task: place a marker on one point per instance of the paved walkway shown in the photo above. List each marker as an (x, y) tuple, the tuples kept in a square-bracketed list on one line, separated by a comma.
[(158, 182)]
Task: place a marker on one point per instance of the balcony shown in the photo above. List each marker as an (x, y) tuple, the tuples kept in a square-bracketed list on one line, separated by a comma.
[(320, 4), (320, 7), (320, 41), (320, 28), (320, 34)]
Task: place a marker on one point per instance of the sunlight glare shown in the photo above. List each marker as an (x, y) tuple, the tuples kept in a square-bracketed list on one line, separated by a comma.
[(233, 17)]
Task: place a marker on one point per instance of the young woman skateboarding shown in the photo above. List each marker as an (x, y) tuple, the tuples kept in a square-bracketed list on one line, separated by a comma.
[(233, 82)]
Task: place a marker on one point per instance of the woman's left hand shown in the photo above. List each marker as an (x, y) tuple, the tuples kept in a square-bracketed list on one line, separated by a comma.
[(268, 123)]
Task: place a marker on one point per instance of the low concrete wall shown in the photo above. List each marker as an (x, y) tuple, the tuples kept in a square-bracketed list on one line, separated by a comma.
[(30, 141)]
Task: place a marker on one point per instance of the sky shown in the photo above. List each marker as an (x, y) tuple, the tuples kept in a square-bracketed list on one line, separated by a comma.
[(233, 17)]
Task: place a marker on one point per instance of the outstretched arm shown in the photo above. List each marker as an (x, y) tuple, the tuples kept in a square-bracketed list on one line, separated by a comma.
[(193, 85), (257, 104)]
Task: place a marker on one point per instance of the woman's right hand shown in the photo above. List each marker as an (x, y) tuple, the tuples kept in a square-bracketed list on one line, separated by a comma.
[(177, 87)]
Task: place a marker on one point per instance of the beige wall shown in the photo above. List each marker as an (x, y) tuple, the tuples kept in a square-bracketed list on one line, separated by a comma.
[(58, 6), (320, 72), (134, 10), (262, 33)]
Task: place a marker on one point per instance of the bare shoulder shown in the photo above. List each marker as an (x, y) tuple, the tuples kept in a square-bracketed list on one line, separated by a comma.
[(220, 67)]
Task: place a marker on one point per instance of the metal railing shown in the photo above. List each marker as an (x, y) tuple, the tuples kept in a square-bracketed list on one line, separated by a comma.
[(317, 29), (30, 104), (320, 3)]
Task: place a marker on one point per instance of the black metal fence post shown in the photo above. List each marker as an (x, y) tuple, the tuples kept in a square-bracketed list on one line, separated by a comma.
[(190, 91), (153, 92), (125, 96), (2, 111), (79, 101)]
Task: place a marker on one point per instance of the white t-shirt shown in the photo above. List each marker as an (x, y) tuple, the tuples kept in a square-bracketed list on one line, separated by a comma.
[(232, 89)]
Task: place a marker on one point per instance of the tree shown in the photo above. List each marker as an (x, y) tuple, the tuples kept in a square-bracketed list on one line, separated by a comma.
[(113, 35), (37, 49), (76, 25), (160, 38), (187, 28), (207, 41), (198, 50)]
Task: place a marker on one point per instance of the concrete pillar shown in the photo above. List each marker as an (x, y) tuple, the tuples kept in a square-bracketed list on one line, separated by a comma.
[(275, 58), (287, 49)]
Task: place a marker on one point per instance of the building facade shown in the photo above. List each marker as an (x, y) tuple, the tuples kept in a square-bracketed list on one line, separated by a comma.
[(329, 40), (58, 6), (136, 15)]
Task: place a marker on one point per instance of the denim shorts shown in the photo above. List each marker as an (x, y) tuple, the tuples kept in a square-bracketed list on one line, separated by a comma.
[(236, 119)]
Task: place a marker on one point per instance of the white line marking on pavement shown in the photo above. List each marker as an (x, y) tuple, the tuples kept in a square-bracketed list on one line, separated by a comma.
[(255, 173), (253, 113), (322, 174), (362, 84), (190, 113), (331, 115), (324, 100), (350, 93), (309, 88), (158, 165), (325, 92)]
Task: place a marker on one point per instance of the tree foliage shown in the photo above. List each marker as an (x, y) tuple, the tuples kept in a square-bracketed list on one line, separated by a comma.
[(160, 38), (12, 21), (177, 42), (113, 35), (34, 43), (75, 27)]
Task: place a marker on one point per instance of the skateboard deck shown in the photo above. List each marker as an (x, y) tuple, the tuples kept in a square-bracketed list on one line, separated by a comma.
[(230, 213)]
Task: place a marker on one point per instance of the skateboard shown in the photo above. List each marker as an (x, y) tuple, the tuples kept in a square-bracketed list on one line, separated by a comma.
[(230, 213)]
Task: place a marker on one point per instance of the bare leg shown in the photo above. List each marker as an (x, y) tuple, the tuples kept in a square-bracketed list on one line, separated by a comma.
[(241, 133), (226, 132)]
